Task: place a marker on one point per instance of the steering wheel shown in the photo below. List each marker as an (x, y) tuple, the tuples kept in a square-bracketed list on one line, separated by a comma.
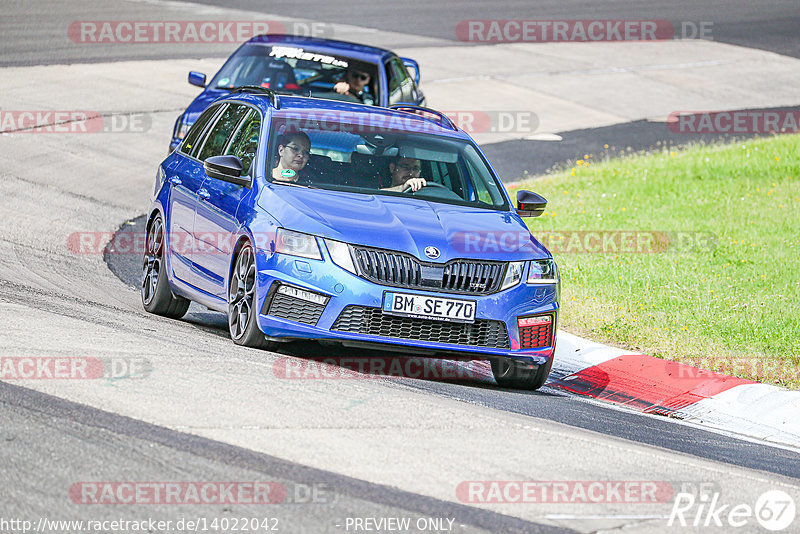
[(428, 184)]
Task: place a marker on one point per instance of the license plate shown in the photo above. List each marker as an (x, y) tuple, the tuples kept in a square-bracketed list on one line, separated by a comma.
[(425, 307)]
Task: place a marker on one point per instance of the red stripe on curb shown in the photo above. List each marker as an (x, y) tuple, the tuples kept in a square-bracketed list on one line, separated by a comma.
[(647, 384)]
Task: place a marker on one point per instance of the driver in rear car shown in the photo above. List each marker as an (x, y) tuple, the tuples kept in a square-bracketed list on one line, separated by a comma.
[(405, 175)]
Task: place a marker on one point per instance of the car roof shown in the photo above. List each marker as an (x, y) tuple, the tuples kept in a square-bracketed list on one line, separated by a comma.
[(330, 46), (303, 107)]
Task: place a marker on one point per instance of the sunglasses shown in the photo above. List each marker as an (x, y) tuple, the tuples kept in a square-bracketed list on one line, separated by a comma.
[(359, 76)]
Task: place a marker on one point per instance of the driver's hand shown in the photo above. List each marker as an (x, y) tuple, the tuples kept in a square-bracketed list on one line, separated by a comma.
[(342, 88), (415, 183)]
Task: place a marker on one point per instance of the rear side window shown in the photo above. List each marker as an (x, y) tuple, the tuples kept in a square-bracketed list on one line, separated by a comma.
[(217, 137), (401, 86), (197, 128), (245, 141), (394, 80)]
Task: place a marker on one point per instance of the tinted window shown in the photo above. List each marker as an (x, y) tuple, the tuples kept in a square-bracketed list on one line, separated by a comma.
[(357, 157), (197, 128), (217, 137), (289, 68), (245, 140), (394, 79), (401, 86)]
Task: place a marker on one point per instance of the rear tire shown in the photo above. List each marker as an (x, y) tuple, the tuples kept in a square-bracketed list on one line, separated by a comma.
[(511, 374), (156, 294), (242, 312)]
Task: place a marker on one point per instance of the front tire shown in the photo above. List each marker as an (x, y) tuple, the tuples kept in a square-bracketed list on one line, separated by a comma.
[(511, 374), (157, 297), (242, 312)]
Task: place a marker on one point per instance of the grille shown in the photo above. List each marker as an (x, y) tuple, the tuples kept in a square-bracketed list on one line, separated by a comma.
[(371, 321), (402, 270), (536, 336), (472, 277), (293, 309)]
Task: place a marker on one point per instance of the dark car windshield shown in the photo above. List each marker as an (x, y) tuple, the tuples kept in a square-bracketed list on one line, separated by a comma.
[(290, 69), (366, 157)]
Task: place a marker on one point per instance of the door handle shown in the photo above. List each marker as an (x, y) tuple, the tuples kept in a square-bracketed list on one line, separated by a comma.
[(175, 180), (203, 193)]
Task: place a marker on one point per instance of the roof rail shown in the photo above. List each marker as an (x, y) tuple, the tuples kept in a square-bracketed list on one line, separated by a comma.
[(257, 89), (444, 120)]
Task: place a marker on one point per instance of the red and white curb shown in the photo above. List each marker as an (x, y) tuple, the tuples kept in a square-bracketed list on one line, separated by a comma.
[(652, 385)]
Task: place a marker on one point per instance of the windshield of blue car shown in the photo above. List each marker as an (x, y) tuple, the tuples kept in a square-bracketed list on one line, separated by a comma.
[(363, 159), (291, 69)]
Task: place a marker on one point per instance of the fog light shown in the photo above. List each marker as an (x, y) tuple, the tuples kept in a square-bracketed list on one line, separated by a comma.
[(533, 321), (302, 294)]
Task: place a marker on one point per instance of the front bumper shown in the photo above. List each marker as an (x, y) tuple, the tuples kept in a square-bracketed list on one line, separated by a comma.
[(352, 300)]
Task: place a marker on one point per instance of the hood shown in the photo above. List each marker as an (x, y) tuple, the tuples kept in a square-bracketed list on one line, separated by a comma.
[(404, 224)]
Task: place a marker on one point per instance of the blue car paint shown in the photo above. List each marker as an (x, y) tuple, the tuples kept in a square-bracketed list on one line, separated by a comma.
[(368, 54), (392, 222)]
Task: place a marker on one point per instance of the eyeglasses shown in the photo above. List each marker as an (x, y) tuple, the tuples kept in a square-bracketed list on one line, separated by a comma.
[(359, 76), (409, 168), (299, 151)]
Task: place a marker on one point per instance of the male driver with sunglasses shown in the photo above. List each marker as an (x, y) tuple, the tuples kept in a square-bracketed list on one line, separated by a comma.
[(355, 83)]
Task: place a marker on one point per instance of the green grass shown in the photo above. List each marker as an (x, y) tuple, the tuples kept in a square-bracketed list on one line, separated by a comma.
[(725, 292)]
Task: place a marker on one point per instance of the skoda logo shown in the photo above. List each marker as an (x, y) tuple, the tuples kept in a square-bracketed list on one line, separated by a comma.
[(432, 252)]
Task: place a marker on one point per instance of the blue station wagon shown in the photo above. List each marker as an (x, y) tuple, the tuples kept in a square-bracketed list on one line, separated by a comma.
[(308, 66), (314, 219)]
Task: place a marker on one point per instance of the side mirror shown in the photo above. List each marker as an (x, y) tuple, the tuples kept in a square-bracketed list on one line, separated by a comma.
[(530, 204), (226, 168), (411, 64), (197, 78)]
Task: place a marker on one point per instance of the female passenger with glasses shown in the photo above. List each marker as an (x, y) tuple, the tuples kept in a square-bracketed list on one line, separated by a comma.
[(293, 153)]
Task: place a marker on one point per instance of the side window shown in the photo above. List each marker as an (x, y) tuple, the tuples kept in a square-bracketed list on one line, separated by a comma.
[(483, 186), (407, 87), (197, 128), (245, 140), (394, 80), (401, 85), (217, 138)]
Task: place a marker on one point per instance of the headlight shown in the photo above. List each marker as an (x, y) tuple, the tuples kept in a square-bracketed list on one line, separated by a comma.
[(543, 272), (297, 244), (340, 254), (513, 274)]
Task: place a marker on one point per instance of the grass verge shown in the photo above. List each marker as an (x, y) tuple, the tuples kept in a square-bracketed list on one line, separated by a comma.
[(690, 255)]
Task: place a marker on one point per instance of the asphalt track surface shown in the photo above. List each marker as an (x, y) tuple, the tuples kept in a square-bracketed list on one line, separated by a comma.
[(53, 437), (31, 418), (769, 25), (547, 403)]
